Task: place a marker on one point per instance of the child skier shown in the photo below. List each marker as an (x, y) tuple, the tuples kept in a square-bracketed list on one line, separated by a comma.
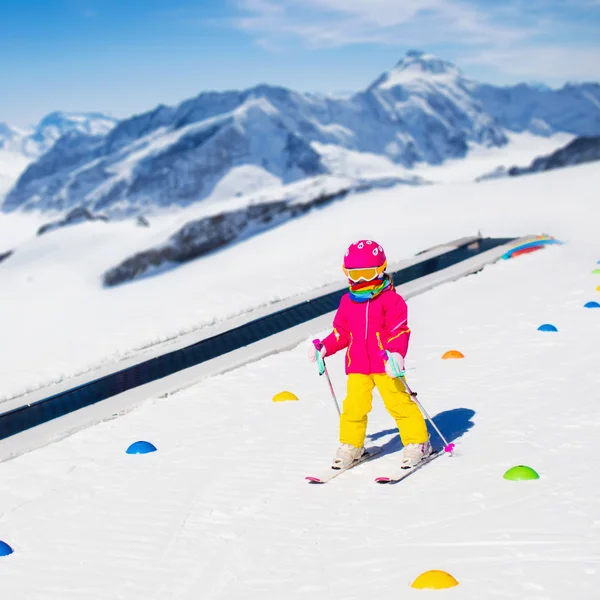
[(373, 317)]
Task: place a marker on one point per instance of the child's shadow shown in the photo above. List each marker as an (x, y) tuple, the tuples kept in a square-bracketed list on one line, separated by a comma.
[(452, 423)]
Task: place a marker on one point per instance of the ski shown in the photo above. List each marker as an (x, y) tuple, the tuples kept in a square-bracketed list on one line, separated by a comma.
[(404, 473), (332, 473)]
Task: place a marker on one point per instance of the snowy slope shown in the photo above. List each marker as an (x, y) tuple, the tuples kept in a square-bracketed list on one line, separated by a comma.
[(522, 148), (577, 151), (17, 229), (222, 509), (64, 268)]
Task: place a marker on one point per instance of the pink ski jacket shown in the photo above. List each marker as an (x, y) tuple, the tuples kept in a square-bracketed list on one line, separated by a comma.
[(366, 328)]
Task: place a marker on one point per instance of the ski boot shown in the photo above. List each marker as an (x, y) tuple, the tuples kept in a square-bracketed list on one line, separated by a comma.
[(346, 455), (413, 454)]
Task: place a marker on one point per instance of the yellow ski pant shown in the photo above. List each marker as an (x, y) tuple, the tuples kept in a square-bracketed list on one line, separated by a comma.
[(358, 403)]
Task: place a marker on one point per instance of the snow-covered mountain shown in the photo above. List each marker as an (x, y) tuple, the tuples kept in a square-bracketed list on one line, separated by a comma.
[(56, 124), (34, 142), (581, 150), (423, 110), (431, 100), (12, 159), (11, 138), (573, 108), (168, 156), (418, 111), (19, 148)]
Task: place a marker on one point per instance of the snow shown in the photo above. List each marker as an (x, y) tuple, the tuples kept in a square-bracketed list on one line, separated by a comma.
[(354, 164), (415, 78), (417, 68), (18, 228), (167, 158), (12, 164), (5, 184), (174, 156), (222, 509), (243, 180), (140, 150), (19, 148), (56, 124), (520, 151), (99, 326), (574, 108)]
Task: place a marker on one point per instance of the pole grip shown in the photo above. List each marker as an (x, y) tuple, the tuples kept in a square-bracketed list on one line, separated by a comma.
[(320, 362), (385, 354), (448, 447), (323, 370)]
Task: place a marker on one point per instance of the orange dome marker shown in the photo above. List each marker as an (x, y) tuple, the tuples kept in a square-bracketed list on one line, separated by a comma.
[(453, 354), (434, 580)]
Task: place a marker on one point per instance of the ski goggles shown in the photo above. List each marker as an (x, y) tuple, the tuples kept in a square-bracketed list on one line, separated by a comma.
[(364, 274)]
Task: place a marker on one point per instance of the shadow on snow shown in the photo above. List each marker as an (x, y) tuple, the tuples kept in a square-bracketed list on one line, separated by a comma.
[(452, 423)]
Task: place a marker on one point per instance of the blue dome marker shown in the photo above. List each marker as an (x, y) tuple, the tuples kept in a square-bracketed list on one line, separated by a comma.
[(592, 304), (547, 327), (5, 549), (141, 447)]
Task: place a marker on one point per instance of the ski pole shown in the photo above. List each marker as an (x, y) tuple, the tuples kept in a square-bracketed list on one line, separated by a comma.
[(323, 371), (399, 373)]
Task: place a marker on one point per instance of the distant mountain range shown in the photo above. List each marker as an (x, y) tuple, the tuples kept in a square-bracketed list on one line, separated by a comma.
[(579, 151), (422, 110), (33, 143), (573, 108), (19, 147)]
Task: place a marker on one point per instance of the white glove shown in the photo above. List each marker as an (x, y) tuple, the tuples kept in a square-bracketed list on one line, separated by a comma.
[(312, 352), (399, 360)]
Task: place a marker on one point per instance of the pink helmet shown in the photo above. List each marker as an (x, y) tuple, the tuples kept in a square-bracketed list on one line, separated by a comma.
[(364, 254)]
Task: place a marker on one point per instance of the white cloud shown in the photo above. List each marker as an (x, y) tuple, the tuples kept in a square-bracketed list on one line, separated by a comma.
[(508, 37), (541, 62), (334, 23)]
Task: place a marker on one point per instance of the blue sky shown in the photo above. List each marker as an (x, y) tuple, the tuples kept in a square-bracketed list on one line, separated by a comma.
[(126, 56)]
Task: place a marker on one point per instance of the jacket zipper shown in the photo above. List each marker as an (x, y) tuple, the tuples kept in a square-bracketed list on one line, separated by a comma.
[(348, 356)]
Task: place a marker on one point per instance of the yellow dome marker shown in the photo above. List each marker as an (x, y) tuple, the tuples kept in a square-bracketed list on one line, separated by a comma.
[(284, 396), (453, 354), (598, 289), (434, 580)]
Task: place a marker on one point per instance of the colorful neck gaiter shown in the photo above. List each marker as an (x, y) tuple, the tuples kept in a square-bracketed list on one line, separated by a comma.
[(367, 290)]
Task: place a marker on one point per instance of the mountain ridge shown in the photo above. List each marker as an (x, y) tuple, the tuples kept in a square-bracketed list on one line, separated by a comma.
[(422, 110)]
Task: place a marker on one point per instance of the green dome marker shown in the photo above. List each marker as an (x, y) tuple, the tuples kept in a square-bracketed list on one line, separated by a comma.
[(520, 473), (596, 271)]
